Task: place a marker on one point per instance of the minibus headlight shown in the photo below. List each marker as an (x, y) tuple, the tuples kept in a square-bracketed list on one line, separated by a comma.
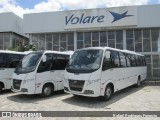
[(92, 81), (28, 80)]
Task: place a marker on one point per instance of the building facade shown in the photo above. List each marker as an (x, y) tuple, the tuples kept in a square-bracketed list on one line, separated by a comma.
[(135, 28), (11, 31)]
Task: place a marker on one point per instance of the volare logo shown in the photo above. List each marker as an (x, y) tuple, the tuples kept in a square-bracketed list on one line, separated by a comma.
[(83, 19), (117, 16), (73, 19)]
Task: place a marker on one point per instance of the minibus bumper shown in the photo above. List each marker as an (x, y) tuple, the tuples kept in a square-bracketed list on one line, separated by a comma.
[(22, 90), (89, 93)]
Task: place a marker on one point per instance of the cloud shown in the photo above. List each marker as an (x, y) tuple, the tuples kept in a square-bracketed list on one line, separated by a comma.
[(115, 3), (56, 5)]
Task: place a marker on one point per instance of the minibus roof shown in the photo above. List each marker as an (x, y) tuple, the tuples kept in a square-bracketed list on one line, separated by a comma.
[(12, 52), (110, 48), (58, 52)]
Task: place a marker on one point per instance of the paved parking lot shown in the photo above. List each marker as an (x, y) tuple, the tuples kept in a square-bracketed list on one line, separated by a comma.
[(145, 98)]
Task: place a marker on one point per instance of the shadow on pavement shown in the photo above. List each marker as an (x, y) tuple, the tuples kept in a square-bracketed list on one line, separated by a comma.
[(91, 102), (22, 98), (4, 92)]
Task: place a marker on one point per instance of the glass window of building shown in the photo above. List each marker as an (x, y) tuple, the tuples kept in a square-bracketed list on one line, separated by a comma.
[(130, 44), (79, 44), (79, 36), (49, 41), (111, 39), (130, 40), (70, 38), (80, 40), (155, 40), (1, 41), (146, 33), (146, 41), (138, 40), (119, 39), (6, 37), (149, 68), (95, 39), (87, 38), (103, 38), (56, 42), (156, 65), (129, 34), (95, 35), (35, 40), (63, 42), (146, 45), (156, 61), (41, 41)]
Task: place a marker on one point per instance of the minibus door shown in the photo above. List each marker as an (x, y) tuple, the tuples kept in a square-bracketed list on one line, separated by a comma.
[(44, 72)]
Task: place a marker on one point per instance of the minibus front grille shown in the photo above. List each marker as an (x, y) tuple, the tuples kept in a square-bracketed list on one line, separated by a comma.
[(16, 84), (76, 85)]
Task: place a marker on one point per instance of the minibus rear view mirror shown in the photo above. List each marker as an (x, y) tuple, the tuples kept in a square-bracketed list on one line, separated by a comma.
[(44, 58)]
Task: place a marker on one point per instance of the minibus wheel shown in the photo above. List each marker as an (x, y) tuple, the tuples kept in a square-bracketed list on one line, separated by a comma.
[(1, 87), (108, 93), (138, 84), (76, 95), (47, 90)]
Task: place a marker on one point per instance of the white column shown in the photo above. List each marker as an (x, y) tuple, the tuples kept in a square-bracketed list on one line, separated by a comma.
[(75, 41), (124, 40)]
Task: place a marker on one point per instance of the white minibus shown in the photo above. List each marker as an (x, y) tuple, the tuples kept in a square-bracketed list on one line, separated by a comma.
[(40, 72), (101, 71), (8, 62)]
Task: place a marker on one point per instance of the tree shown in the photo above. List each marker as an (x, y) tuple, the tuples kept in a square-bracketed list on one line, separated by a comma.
[(22, 48)]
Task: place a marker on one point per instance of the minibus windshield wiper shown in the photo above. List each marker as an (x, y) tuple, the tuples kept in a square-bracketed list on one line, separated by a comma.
[(71, 66), (89, 67)]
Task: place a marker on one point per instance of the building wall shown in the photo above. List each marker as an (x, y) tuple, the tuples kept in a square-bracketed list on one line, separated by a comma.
[(142, 17), (145, 41), (11, 23), (11, 31), (136, 28)]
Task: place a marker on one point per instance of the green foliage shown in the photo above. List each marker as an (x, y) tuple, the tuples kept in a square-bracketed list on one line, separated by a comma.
[(21, 48)]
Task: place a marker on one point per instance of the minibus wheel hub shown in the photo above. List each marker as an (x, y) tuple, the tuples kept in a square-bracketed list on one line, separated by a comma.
[(108, 92), (47, 91)]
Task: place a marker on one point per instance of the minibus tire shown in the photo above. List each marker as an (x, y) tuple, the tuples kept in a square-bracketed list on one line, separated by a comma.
[(1, 87), (45, 87), (76, 95), (138, 84), (109, 91)]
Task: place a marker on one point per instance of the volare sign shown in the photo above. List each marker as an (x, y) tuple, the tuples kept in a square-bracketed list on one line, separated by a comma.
[(98, 18), (73, 19)]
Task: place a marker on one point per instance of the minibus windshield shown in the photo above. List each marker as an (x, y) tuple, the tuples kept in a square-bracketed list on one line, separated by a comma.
[(85, 61), (29, 63)]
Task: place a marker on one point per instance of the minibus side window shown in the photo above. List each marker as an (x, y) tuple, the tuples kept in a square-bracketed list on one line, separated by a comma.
[(141, 60), (13, 60), (2, 60), (128, 60), (144, 60), (115, 58), (133, 60), (59, 62), (112, 62), (122, 59), (45, 66), (21, 56)]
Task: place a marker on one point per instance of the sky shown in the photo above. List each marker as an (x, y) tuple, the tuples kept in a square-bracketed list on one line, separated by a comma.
[(20, 7)]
